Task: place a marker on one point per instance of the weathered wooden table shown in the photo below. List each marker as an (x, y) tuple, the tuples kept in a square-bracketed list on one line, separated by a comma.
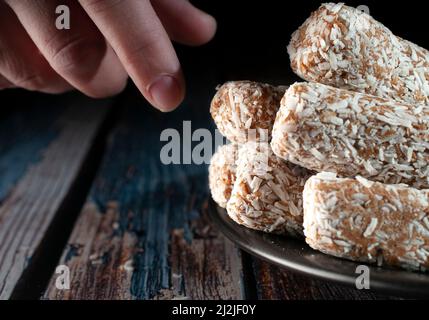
[(82, 185)]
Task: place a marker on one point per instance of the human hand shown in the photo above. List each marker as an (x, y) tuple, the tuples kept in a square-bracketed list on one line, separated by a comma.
[(108, 41)]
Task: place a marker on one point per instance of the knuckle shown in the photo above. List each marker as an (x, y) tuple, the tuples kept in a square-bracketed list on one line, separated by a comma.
[(20, 74), (147, 47), (30, 81), (76, 56)]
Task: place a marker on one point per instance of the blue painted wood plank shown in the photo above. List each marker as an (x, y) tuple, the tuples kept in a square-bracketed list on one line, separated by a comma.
[(24, 134), (149, 218), (43, 143)]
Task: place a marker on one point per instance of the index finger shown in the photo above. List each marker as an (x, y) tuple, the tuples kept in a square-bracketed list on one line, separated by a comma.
[(136, 34)]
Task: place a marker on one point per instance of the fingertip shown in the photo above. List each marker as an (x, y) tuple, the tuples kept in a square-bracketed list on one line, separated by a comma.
[(58, 90), (207, 30), (166, 92), (107, 91), (203, 30), (185, 23)]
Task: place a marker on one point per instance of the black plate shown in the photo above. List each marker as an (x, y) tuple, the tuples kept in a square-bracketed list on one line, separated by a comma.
[(295, 255)]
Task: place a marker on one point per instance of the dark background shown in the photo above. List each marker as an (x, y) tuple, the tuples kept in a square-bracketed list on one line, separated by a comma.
[(252, 35)]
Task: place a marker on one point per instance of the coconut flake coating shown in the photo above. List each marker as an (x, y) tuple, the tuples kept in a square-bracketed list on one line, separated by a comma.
[(222, 171), (344, 47), (367, 221), (267, 194), (328, 129), (245, 111)]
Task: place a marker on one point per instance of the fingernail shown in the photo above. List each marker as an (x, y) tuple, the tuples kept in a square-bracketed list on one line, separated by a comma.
[(166, 93)]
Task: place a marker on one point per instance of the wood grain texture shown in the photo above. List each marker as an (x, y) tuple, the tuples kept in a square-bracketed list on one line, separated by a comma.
[(209, 267), (279, 284), (143, 232), (24, 134), (42, 151)]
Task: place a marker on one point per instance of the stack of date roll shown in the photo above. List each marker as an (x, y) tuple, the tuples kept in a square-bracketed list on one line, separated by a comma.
[(259, 190), (342, 160)]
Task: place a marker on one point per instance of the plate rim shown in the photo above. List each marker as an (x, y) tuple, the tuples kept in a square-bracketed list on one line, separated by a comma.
[(394, 288)]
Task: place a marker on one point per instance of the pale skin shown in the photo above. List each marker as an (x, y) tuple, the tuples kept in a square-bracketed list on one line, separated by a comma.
[(108, 41)]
